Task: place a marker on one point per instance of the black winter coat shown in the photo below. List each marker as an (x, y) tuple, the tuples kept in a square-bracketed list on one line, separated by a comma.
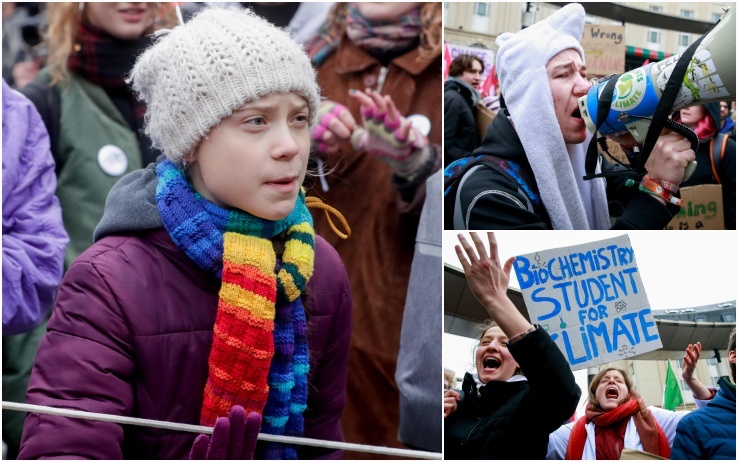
[(460, 136), (512, 420), (497, 202)]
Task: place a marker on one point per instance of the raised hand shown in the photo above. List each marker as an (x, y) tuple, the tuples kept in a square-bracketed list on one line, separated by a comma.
[(334, 123), (689, 362), (388, 135), (488, 281)]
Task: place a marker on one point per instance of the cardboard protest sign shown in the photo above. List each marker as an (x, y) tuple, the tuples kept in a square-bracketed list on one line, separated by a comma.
[(702, 208), (604, 49), (484, 117), (590, 299)]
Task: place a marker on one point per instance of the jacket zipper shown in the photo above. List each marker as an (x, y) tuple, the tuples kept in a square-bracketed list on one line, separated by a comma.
[(466, 443), (380, 78)]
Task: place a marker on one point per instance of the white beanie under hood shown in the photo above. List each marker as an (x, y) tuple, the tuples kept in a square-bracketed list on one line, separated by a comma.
[(570, 202)]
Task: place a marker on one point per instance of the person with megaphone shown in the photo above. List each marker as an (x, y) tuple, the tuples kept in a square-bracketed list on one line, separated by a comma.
[(528, 173)]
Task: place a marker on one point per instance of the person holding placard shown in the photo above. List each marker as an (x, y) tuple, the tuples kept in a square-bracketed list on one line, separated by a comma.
[(520, 373), (617, 418)]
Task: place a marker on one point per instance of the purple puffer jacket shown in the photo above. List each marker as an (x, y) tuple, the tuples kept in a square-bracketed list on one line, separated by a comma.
[(130, 335), (34, 239)]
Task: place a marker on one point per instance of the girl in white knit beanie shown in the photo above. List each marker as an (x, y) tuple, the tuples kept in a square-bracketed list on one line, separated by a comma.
[(212, 284)]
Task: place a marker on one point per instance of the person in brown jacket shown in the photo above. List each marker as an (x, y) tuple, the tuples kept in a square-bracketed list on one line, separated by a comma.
[(379, 67)]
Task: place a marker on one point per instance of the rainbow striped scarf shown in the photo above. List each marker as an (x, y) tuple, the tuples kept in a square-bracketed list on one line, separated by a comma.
[(259, 357)]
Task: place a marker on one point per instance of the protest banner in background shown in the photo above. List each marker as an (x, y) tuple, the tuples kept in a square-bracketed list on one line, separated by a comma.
[(590, 299), (604, 49)]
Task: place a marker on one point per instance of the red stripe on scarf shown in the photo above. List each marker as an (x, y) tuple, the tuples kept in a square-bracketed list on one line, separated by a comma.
[(237, 313), (250, 278)]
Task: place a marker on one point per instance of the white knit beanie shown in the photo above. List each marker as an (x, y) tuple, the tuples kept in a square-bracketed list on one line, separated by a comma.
[(199, 73), (570, 202), (533, 47)]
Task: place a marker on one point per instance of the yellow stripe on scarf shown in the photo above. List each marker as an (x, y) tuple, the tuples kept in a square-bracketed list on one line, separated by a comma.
[(301, 255), (249, 250), (236, 295)]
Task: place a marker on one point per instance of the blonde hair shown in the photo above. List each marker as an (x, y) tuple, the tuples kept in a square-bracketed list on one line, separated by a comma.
[(63, 27), (449, 376)]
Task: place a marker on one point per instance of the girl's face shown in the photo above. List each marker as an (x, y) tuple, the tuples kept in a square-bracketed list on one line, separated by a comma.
[(494, 361), (611, 391), (691, 116), (381, 11), (124, 21), (256, 159)]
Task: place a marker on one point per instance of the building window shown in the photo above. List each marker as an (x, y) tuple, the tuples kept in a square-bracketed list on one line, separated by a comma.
[(700, 319), (654, 37), (686, 13), (712, 361), (715, 381), (716, 17), (729, 317), (656, 9), (481, 9), (684, 40), (684, 385)]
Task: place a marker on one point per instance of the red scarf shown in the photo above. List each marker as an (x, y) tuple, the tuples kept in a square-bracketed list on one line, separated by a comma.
[(105, 61), (652, 436)]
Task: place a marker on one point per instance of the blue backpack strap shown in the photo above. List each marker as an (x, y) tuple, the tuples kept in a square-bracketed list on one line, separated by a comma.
[(454, 173)]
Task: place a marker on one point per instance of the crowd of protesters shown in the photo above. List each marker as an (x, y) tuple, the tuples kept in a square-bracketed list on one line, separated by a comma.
[(516, 403), (130, 111), (528, 171)]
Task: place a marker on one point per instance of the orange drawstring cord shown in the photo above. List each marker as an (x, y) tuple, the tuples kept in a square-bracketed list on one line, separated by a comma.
[(316, 203)]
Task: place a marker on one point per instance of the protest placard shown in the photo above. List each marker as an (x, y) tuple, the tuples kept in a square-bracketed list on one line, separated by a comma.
[(702, 208), (604, 49), (590, 299)]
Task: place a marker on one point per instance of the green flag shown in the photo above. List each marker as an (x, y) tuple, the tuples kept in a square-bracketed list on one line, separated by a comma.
[(672, 391)]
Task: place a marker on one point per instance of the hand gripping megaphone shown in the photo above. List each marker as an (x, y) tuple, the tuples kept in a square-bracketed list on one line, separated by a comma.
[(639, 101)]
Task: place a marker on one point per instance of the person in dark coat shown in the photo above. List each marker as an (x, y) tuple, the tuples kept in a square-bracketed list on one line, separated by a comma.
[(709, 433), (727, 124), (524, 388), (704, 119), (207, 293), (460, 96)]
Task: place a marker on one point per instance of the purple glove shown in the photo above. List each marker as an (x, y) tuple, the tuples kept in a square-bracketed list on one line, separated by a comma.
[(233, 438)]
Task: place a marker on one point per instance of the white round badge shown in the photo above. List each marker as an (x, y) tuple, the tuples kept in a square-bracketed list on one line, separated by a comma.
[(421, 122), (112, 160)]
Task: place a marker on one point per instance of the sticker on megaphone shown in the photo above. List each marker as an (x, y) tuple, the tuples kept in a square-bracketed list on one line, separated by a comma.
[(710, 77)]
